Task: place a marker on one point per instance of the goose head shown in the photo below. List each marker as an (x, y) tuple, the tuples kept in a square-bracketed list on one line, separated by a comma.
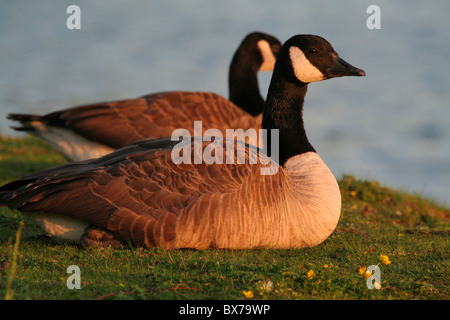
[(268, 47), (312, 58), (302, 59), (258, 51)]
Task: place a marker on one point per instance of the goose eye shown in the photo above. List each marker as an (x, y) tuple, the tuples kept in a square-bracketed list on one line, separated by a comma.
[(313, 50)]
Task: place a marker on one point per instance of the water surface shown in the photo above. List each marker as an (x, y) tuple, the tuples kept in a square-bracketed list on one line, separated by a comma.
[(392, 126)]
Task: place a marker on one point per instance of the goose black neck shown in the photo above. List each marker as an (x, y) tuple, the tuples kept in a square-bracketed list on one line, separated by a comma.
[(284, 111), (243, 88)]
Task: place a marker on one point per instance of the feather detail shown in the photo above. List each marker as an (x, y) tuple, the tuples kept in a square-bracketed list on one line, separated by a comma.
[(142, 197)]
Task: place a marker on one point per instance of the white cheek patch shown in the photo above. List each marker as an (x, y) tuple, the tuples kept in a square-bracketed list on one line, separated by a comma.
[(303, 69), (267, 55)]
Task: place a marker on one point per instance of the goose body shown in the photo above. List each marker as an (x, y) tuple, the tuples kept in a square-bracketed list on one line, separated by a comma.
[(137, 194), (94, 130)]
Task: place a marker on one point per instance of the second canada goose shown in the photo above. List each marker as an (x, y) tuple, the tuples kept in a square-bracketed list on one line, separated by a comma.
[(94, 130), (137, 194)]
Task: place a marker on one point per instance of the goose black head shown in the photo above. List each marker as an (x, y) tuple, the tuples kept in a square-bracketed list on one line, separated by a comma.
[(269, 48), (262, 50), (312, 58)]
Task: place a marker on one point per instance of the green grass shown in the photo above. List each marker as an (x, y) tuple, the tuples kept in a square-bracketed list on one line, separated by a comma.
[(411, 230)]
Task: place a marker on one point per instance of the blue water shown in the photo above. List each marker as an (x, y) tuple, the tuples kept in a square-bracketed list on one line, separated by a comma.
[(392, 126)]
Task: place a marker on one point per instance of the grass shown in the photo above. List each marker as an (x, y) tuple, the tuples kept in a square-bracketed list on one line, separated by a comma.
[(411, 230)]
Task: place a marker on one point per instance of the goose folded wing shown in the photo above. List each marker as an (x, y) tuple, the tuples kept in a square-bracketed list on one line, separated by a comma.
[(120, 123), (136, 192)]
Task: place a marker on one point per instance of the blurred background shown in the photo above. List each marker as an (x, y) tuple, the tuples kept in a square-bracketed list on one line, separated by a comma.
[(392, 126)]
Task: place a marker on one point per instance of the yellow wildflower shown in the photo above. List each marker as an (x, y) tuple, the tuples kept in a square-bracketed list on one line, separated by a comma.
[(365, 272), (325, 266), (311, 274), (385, 259), (248, 294), (377, 285)]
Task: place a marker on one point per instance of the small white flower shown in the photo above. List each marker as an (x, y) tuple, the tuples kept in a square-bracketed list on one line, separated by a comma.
[(266, 286)]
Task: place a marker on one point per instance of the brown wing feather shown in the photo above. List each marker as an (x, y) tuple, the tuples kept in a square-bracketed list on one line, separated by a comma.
[(114, 124), (141, 195), (119, 123)]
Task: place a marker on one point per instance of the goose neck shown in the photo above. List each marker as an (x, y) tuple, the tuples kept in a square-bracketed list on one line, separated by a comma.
[(244, 90), (284, 111)]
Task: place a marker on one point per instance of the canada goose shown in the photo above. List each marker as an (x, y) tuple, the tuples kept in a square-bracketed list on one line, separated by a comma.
[(94, 130), (138, 195)]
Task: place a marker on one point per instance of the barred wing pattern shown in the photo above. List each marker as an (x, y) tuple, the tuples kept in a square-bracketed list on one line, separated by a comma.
[(140, 195)]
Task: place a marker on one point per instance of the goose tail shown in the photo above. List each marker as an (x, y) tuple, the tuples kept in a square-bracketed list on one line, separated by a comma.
[(30, 122)]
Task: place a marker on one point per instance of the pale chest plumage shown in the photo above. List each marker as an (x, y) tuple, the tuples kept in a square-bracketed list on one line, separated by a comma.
[(299, 206)]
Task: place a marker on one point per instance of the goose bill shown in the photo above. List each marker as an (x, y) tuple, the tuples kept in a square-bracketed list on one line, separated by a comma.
[(342, 68)]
